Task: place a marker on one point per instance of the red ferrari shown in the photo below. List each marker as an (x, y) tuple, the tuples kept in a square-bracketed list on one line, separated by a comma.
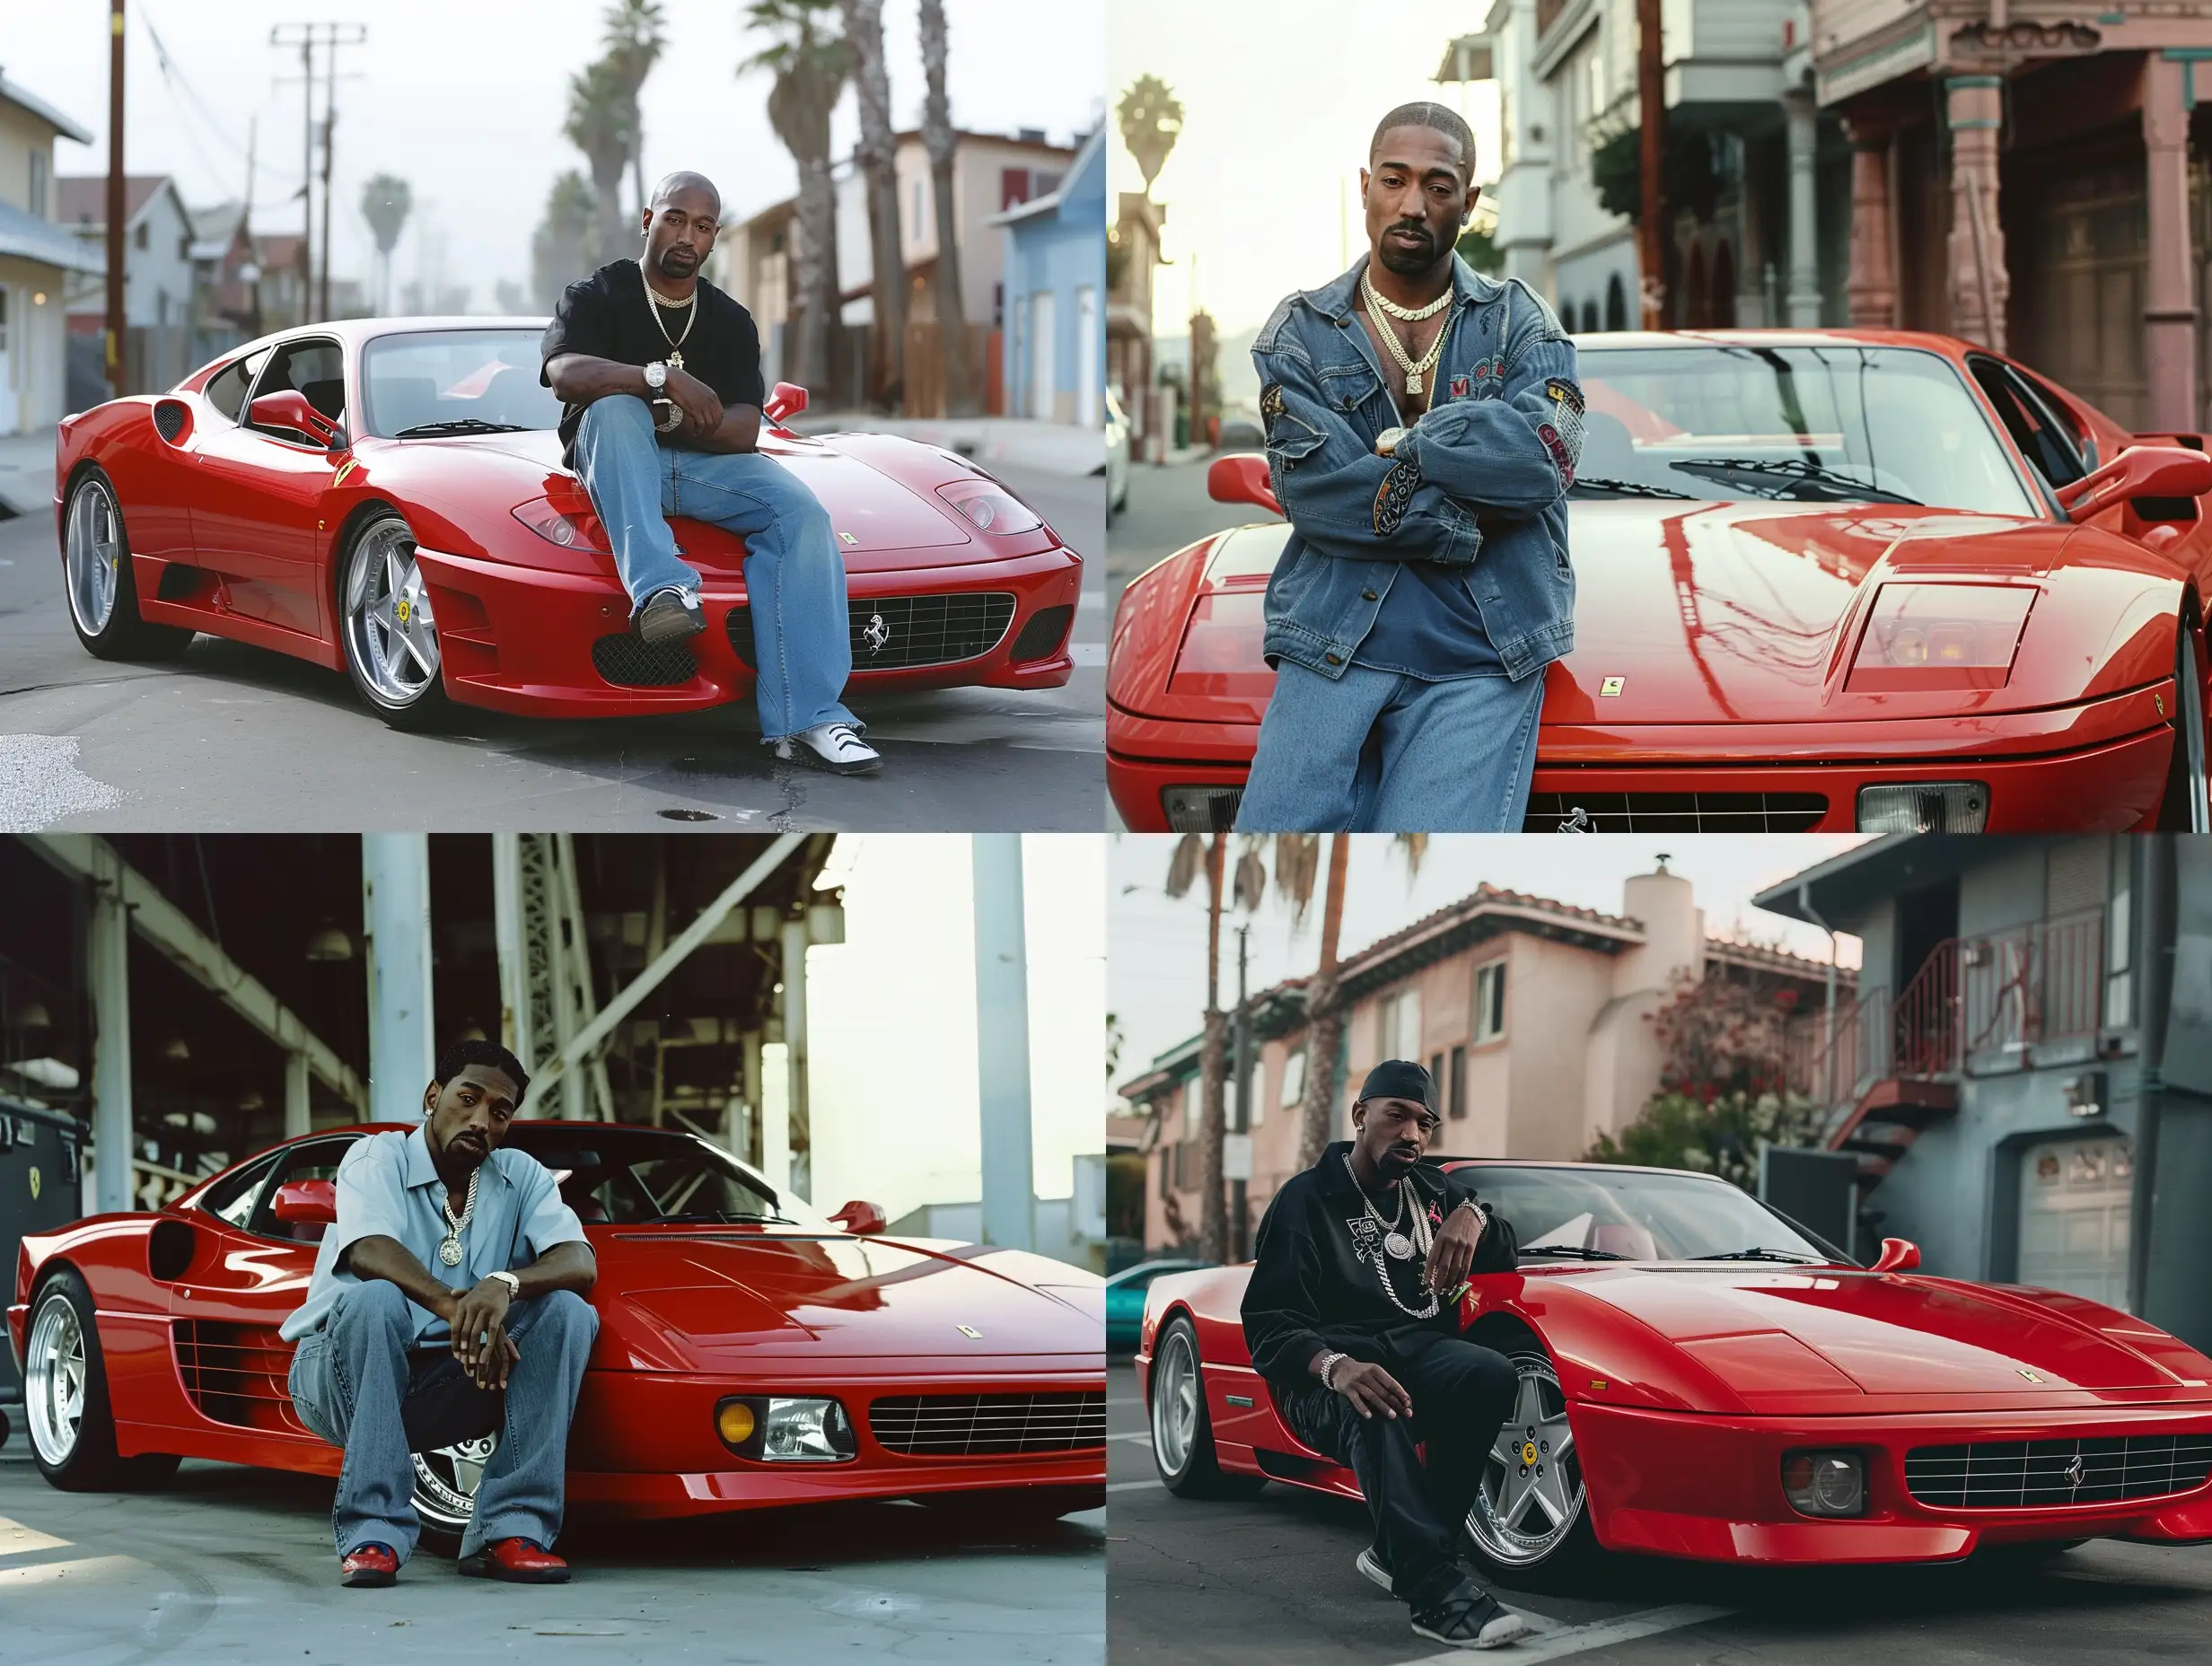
[(1826, 579), (750, 1351), (1701, 1378), (387, 498)]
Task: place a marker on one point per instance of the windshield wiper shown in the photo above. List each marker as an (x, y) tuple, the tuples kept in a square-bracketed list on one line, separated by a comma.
[(1762, 1255), (1628, 488), (459, 425), (1577, 1250), (1844, 489)]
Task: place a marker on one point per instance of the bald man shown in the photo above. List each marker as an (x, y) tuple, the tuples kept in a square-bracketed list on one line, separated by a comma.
[(660, 374)]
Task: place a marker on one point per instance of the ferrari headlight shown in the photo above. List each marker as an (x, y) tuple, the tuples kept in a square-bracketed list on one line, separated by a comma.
[(1923, 635), (989, 508), (1925, 807), (776, 1429), (1827, 1484), (571, 529)]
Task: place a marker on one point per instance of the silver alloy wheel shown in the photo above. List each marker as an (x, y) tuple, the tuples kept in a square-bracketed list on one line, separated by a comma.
[(2189, 725), (93, 548), (446, 1480), (1175, 1390), (388, 627), (53, 1375), (1532, 1493)]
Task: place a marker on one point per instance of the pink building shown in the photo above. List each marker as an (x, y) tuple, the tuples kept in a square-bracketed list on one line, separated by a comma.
[(1532, 1016)]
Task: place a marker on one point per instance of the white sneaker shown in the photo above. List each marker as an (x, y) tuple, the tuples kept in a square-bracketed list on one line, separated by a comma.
[(834, 747), (1371, 1566)]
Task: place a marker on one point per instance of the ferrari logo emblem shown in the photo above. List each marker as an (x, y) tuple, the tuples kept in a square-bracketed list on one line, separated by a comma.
[(970, 1332), (400, 608), (2076, 1472), (1528, 1452), (2030, 1375), (34, 1185), (878, 634), (849, 538), (1612, 686)]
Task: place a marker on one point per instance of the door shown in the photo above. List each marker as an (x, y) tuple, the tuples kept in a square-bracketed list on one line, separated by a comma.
[(1043, 366), (260, 494), (2075, 1203), (1086, 357)]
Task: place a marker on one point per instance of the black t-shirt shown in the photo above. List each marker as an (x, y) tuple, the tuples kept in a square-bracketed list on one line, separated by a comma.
[(609, 315), (1322, 1279)]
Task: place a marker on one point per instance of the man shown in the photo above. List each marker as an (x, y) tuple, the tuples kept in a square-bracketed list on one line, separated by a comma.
[(659, 373), (446, 1304), (1423, 425), (1352, 1316)]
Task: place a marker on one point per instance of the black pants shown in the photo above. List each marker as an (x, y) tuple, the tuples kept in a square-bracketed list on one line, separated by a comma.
[(1463, 1394)]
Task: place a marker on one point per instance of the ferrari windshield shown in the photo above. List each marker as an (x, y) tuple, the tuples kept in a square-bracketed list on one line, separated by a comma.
[(1811, 423), (640, 1177), (422, 383), (1636, 1214)]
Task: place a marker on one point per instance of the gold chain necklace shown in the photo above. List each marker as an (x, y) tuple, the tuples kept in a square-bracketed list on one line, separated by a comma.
[(1412, 315), (654, 302), (1415, 374)]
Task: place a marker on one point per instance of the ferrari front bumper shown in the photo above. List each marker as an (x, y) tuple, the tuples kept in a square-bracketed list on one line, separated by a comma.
[(520, 638), (1710, 1487)]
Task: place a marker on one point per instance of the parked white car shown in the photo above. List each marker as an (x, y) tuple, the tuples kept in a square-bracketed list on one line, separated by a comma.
[(1117, 456)]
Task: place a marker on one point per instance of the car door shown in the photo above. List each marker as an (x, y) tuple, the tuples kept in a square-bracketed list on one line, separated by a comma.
[(247, 1272), (257, 516)]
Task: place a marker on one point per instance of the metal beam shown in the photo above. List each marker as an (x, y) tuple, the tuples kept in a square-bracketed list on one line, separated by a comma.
[(584, 1044), (171, 933), (1002, 1042), (395, 908), (108, 968)]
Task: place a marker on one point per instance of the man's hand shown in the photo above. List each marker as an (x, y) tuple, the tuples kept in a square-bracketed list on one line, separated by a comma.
[(1371, 1390), (1453, 1252), (478, 1319), (700, 406)]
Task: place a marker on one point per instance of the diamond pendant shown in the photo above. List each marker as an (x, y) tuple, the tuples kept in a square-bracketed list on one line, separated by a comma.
[(675, 361), (1399, 1247), (1413, 382), (449, 1251)]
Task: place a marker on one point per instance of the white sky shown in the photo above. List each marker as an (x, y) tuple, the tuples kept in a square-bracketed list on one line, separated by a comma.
[(1280, 97), (465, 102), (1157, 984), (893, 1024)]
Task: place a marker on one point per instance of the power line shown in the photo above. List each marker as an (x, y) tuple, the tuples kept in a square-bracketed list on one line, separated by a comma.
[(199, 110)]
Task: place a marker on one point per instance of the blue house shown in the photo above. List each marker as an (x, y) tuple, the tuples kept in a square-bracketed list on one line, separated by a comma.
[(1056, 295)]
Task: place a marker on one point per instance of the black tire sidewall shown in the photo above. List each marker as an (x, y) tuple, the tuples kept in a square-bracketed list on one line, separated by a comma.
[(125, 635), (427, 708), (92, 1463), (1199, 1466)]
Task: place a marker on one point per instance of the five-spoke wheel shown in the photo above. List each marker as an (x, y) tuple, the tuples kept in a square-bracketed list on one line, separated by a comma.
[(391, 638), (445, 1484), (66, 1396), (96, 573), (1532, 1503)]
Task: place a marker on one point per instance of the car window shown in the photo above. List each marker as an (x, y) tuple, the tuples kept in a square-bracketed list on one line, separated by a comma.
[(227, 388), (448, 380), (318, 1160), (2084, 441), (2041, 439), (231, 1198), (314, 368)]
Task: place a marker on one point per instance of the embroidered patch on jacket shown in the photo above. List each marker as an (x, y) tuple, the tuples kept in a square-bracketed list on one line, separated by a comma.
[(1459, 385), (1560, 456), (1566, 392), (1394, 495), (1271, 402)]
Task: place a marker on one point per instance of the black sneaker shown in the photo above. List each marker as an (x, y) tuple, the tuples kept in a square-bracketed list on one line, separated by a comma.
[(668, 616), (1372, 1566), (1471, 1617)]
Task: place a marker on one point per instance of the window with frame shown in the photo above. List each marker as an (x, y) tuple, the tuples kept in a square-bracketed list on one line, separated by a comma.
[(2119, 939), (1455, 1099), (227, 388), (1489, 1016), (2042, 439), (1293, 1090), (1397, 1025), (40, 164), (231, 1198)]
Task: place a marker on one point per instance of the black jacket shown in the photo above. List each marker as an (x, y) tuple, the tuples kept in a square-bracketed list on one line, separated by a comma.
[(1315, 1283)]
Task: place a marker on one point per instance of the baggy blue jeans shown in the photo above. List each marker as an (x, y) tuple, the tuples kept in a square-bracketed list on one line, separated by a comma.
[(794, 577), (349, 1384), (1379, 752)]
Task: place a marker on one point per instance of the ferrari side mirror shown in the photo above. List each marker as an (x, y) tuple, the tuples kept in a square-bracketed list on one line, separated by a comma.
[(1241, 478), (306, 1200), (1899, 1255), (860, 1218), (786, 400), (2138, 471)]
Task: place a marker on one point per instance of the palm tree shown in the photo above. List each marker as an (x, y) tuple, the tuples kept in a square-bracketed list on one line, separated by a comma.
[(941, 139), (1324, 1007), (635, 33), (560, 251), (878, 157), (385, 204), (598, 125), (807, 59), (1151, 118)]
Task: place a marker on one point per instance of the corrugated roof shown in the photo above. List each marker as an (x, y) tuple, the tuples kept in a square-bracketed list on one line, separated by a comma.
[(29, 238)]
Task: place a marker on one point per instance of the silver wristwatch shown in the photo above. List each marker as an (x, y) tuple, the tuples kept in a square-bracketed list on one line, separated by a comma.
[(513, 1284), (1386, 443), (656, 375)]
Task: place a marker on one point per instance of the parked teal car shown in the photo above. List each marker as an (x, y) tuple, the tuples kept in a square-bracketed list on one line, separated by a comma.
[(1124, 1300)]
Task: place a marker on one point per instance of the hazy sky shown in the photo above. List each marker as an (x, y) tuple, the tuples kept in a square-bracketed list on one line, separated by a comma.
[(893, 1028), (1157, 984), (465, 102), (1280, 97)]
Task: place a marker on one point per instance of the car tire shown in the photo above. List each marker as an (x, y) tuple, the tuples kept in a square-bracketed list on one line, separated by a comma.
[(445, 1484), (1560, 1556), (2187, 806), (1183, 1433), (384, 622), (97, 581), (68, 1420)]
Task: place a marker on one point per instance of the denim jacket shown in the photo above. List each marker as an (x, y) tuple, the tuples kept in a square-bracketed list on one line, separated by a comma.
[(1478, 483)]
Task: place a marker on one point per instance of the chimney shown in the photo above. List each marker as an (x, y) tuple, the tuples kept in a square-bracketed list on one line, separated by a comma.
[(1666, 904)]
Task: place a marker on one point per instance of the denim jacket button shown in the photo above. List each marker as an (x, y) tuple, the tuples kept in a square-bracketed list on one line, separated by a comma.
[(1369, 595), (1333, 659)]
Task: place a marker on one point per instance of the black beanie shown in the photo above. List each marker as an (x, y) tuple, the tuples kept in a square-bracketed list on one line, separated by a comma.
[(1400, 1078)]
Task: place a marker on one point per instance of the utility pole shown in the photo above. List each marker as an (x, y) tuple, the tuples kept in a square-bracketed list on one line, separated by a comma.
[(1651, 99), (329, 37), (1239, 1225), (253, 250), (330, 121), (115, 202)]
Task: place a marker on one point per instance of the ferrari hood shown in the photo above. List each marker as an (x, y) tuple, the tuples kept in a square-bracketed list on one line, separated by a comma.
[(708, 1302), (1772, 1330)]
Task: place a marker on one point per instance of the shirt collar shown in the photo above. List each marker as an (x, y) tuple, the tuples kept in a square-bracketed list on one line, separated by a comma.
[(421, 1170), (1468, 288)]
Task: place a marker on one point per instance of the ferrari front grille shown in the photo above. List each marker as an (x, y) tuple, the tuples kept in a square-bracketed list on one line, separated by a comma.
[(962, 1426), (2028, 1475), (900, 633), (1673, 812), (238, 1374), (631, 663)]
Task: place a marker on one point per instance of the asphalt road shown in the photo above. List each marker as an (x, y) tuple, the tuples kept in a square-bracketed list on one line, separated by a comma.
[(232, 737), (1272, 1579), (235, 1565)]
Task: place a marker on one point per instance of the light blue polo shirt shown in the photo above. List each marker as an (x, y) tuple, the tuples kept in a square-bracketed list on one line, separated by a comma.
[(389, 1188)]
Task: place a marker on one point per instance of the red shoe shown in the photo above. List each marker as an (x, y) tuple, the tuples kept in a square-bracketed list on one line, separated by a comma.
[(524, 1561), (368, 1565)]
